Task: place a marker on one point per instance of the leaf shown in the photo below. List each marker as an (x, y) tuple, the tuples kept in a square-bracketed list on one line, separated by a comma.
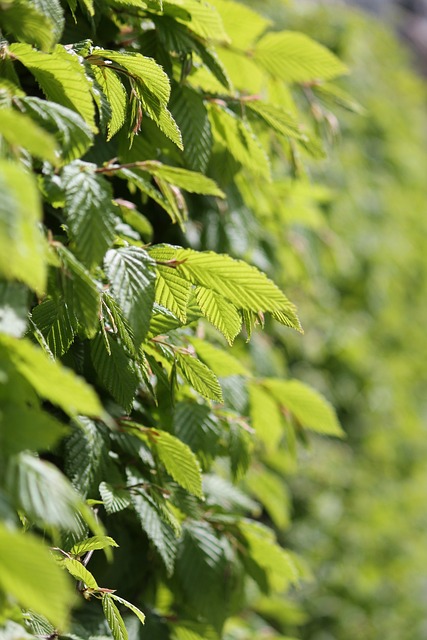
[(80, 293), (192, 118), (79, 571), (243, 285), (309, 407), (29, 573), (220, 492), (50, 379), (52, 10), (61, 77), (13, 309), (53, 319), (200, 567), (92, 544), (270, 490), (266, 418), (281, 121), (115, 370), (240, 141), (265, 551), (129, 605), (116, 96), (294, 57), (21, 241), (201, 378), (200, 17), (179, 461), (172, 291), (20, 131), (221, 362), (242, 24), (68, 127), (86, 455), (139, 67), (114, 499), (43, 492), (158, 531), (131, 273), (168, 204), (27, 23), (195, 425), (89, 210), (150, 83), (114, 321), (220, 312), (114, 619), (188, 180), (23, 427)]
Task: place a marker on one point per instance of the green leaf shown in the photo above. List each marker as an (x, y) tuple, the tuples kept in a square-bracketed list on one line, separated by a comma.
[(220, 492), (13, 308), (80, 293), (116, 95), (53, 10), (23, 427), (200, 17), (114, 619), (167, 200), (43, 492), (243, 285), (281, 121), (29, 573), (50, 379), (20, 131), (188, 180), (68, 127), (221, 362), (53, 319), (78, 571), (178, 460), (90, 211), (200, 377), (200, 570), (192, 118), (114, 499), (138, 67), (150, 83), (220, 312), (92, 544), (129, 605), (61, 77), (266, 418), (240, 141), (115, 321), (242, 24), (309, 407), (86, 455), (131, 273), (158, 531), (22, 248), (27, 23), (294, 57), (265, 551), (172, 291), (270, 490), (115, 370)]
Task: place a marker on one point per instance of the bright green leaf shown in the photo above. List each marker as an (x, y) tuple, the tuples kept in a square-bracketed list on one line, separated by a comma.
[(29, 573)]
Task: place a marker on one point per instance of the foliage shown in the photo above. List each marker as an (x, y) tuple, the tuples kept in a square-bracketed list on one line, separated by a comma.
[(129, 128)]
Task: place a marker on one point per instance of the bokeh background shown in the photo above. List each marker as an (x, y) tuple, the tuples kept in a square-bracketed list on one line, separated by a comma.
[(359, 507)]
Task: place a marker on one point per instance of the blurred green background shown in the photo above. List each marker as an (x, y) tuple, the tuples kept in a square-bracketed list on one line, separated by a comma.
[(358, 272)]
